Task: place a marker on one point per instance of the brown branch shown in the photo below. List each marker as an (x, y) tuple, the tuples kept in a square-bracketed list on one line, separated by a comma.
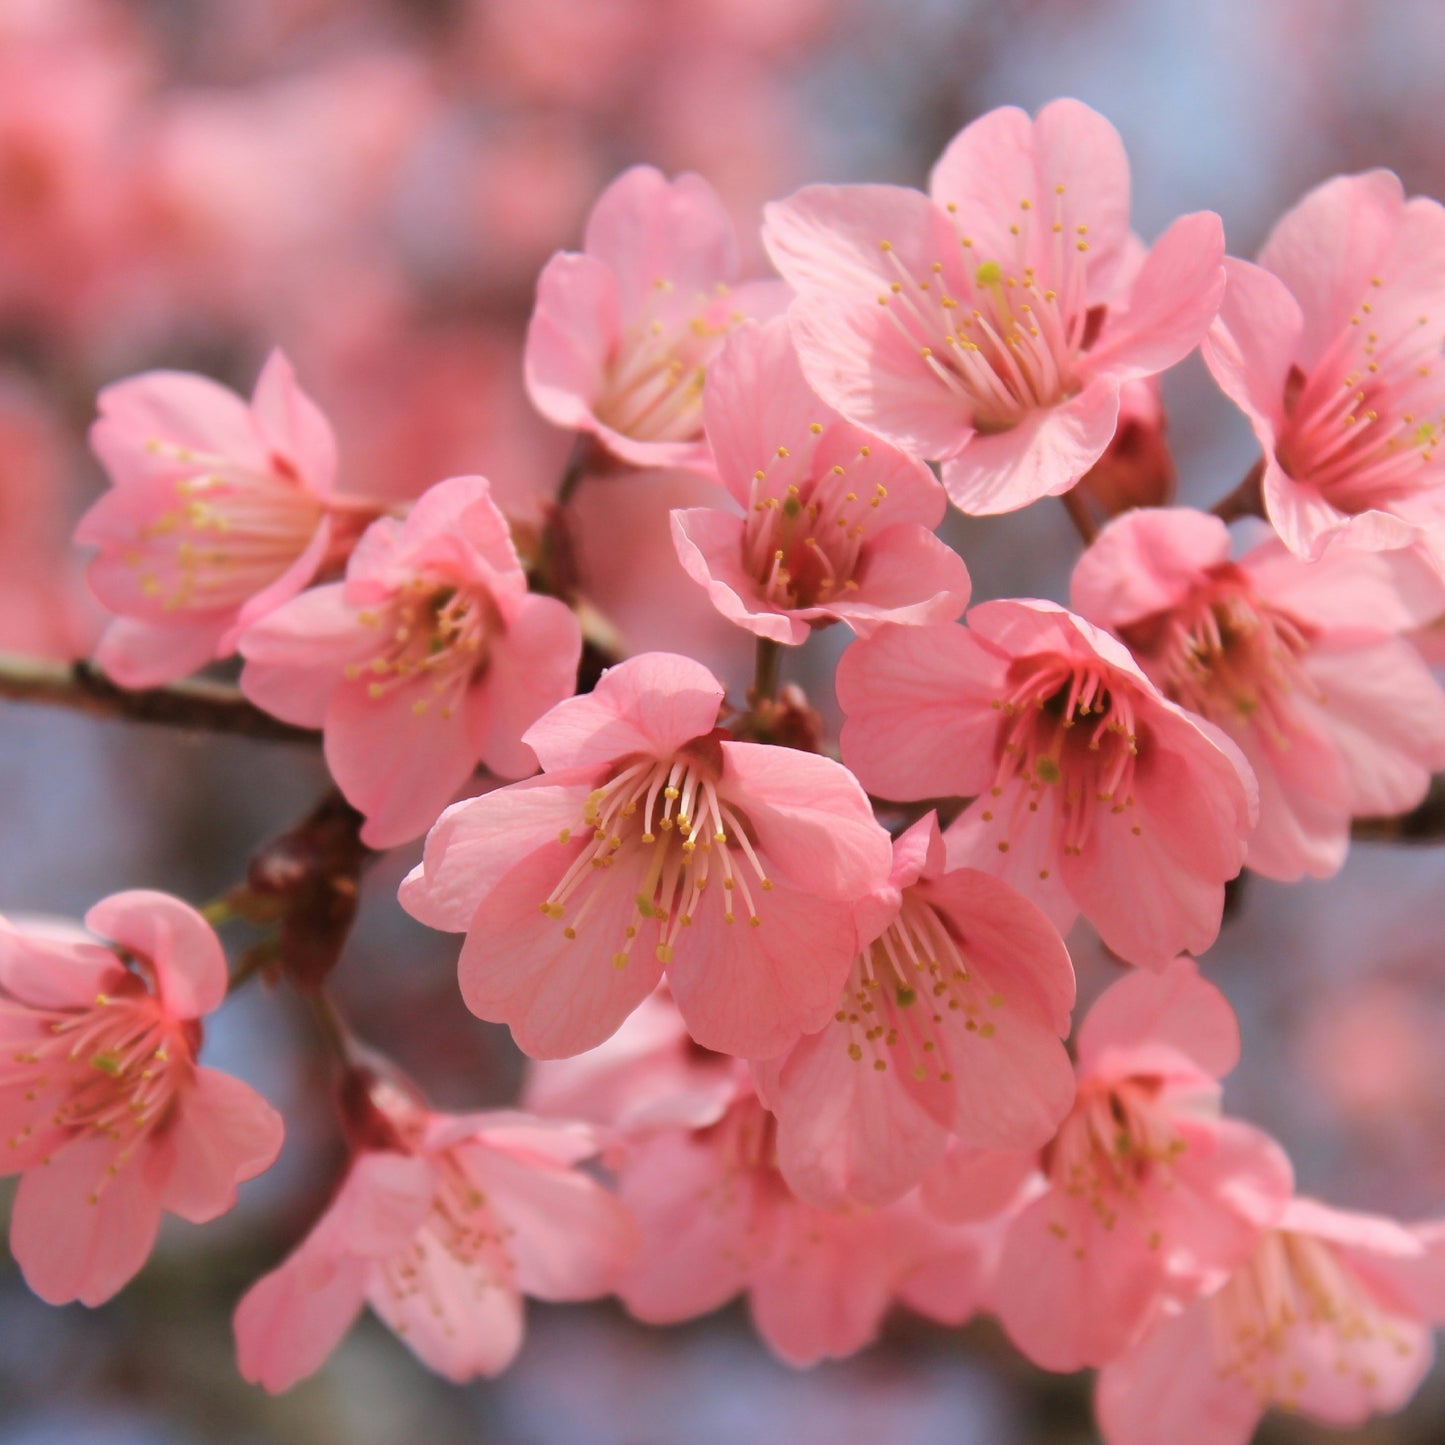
[(1423, 824), (1246, 500), (210, 707)]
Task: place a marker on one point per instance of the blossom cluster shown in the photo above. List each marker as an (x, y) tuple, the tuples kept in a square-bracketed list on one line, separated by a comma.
[(801, 1010)]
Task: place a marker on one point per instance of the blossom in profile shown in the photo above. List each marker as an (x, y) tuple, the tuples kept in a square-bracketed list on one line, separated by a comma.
[(654, 841), (219, 510), (1092, 793), (1329, 1317), (1151, 1196), (442, 1224), (429, 658), (991, 324), (951, 1024), (1331, 347), (1293, 660), (836, 524), (623, 332), (105, 1113)]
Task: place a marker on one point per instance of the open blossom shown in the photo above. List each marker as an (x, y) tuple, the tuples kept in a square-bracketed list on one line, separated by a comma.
[(103, 1108), (836, 525), (951, 1024), (991, 324), (720, 1220), (1092, 792), (1300, 663), (1331, 347), (431, 657), (218, 512), (654, 841), (622, 333), (1329, 1317), (442, 1223), (1151, 1195)]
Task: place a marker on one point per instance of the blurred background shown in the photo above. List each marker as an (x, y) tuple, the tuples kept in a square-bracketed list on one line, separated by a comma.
[(373, 185)]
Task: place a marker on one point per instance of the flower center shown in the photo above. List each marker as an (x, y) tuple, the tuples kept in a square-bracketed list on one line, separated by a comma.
[(1049, 762), (654, 383), (994, 331), (1364, 426), (668, 825), (1296, 1282), (435, 639)]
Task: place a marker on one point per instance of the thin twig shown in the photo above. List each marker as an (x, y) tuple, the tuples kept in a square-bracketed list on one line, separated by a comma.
[(767, 666), (1079, 515)]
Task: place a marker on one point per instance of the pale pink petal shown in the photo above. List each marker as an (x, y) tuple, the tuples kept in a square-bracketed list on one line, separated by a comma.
[(909, 577), (137, 653), (79, 1232), (381, 1204), (1251, 346), (47, 974), (182, 948), (970, 1184), (286, 586), (1042, 456), (222, 1134), (574, 328), (1171, 302), (293, 426), (709, 545), (651, 704)]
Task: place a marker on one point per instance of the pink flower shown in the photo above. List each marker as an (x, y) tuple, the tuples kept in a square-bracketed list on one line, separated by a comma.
[(430, 657), (720, 1220), (218, 512), (1327, 1318), (836, 524), (652, 842), (1331, 347), (1092, 793), (441, 1227), (1151, 1195), (104, 1110), (1292, 660), (622, 334), (1136, 469), (990, 324), (951, 1023)]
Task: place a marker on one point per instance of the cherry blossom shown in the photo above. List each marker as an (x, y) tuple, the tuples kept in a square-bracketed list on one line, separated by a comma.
[(1092, 793), (1292, 660), (836, 524), (431, 657), (654, 841), (105, 1112), (991, 323)]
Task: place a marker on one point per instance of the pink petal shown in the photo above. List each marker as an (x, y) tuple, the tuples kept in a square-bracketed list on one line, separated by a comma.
[(79, 1232), (1251, 346), (223, 1133), (293, 426), (574, 328), (48, 974), (135, 653), (182, 948), (972, 1184), (1042, 456), (298, 575), (906, 576)]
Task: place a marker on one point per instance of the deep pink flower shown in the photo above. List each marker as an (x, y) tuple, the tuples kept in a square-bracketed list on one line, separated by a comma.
[(103, 1108), (1092, 793), (836, 524), (990, 324), (1331, 347), (721, 1220), (951, 1023), (1300, 663), (1329, 1318), (622, 334), (431, 657), (442, 1232), (1151, 1195), (218, 512), (654, 841)]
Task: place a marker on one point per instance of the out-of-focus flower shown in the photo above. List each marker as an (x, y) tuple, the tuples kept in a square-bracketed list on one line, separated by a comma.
[(951, 1023), (991, 324), (1331, 347), (442, 1224), (1151, 1195), (218, 512), (1328, 1318), (623, 333), (1293, 660), (1092, 792), (836, 525), (654, 837), (431, 657), (104, 1110)]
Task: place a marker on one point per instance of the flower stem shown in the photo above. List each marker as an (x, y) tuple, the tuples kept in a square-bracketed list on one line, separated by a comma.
[(1080, 516), (766, 668), (1246, 500)]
